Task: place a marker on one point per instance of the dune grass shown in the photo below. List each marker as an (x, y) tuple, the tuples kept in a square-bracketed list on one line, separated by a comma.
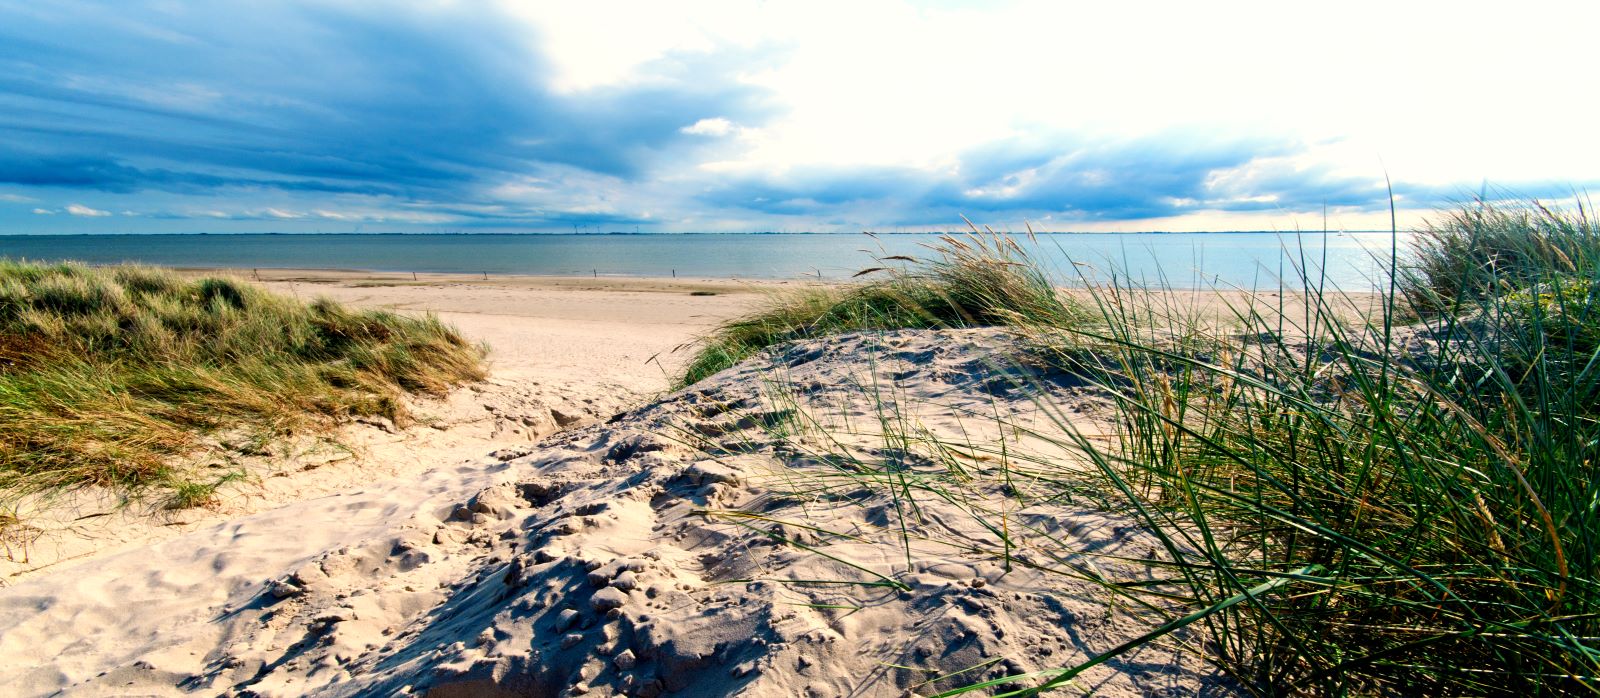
[(977, 280), (1343, 507), (1426, 493), (112, 376), (1486, 248)]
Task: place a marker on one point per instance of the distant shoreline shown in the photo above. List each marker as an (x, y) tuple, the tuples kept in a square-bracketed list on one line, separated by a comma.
[(669, 234), (605, 282), (1248, 260)]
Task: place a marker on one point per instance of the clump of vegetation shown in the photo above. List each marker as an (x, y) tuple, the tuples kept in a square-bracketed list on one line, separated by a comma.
[(1431, 531), (109, 375), (1419, 496), (977, 280), (1546, 337), (1559, 309), (1485, 248)]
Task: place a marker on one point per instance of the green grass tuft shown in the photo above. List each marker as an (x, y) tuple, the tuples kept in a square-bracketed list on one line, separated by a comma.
[(975, 280), (1484, 249), (1439, 476), (109, 375)]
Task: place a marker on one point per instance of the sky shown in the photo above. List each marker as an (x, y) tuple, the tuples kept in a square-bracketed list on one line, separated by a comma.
[(144, 116)]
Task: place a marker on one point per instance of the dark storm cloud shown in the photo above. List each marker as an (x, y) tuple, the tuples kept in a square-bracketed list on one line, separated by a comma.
[(107, 174)]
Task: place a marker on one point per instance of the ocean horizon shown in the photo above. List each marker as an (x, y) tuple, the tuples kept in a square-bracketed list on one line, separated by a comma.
[(1351, 260)]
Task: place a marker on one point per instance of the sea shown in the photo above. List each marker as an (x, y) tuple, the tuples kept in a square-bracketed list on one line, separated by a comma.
[(1349, 261)]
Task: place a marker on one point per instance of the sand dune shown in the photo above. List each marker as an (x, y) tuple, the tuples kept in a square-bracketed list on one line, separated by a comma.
[(714, 541)]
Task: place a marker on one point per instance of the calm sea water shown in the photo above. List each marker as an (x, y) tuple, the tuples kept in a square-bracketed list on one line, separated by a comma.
[(1247, 260)]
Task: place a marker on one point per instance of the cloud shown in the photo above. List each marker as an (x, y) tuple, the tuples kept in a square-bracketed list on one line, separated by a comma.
[(436, 102), (17, 199), (1446, 195), (1064, 178), (716, 126), (107, 174), (85, 211), (43, 212)]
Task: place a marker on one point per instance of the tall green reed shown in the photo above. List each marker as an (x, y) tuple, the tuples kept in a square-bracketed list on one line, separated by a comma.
[(1427, 489)]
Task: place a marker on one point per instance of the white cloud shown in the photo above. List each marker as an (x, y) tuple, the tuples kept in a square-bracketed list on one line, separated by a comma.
[(717, 126), (81, 210), (17, 199), (43, 212)]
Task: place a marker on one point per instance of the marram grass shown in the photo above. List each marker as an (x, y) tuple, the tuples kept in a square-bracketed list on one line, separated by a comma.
[(976, 280), (1485, 248), (113, 376)]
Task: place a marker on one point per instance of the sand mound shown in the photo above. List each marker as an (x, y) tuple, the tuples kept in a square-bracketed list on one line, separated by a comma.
[(769, 532)]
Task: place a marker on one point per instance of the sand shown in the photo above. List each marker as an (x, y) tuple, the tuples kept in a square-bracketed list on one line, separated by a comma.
[(552, 328), (571, 528)]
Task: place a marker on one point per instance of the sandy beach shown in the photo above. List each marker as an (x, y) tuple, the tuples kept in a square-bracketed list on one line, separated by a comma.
[(606, 330)]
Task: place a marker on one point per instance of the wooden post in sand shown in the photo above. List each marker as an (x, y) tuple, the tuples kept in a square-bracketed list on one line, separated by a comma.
[(413, 276)]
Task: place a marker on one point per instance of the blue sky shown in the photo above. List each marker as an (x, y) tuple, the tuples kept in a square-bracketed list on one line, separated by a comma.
[(341, 115)]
